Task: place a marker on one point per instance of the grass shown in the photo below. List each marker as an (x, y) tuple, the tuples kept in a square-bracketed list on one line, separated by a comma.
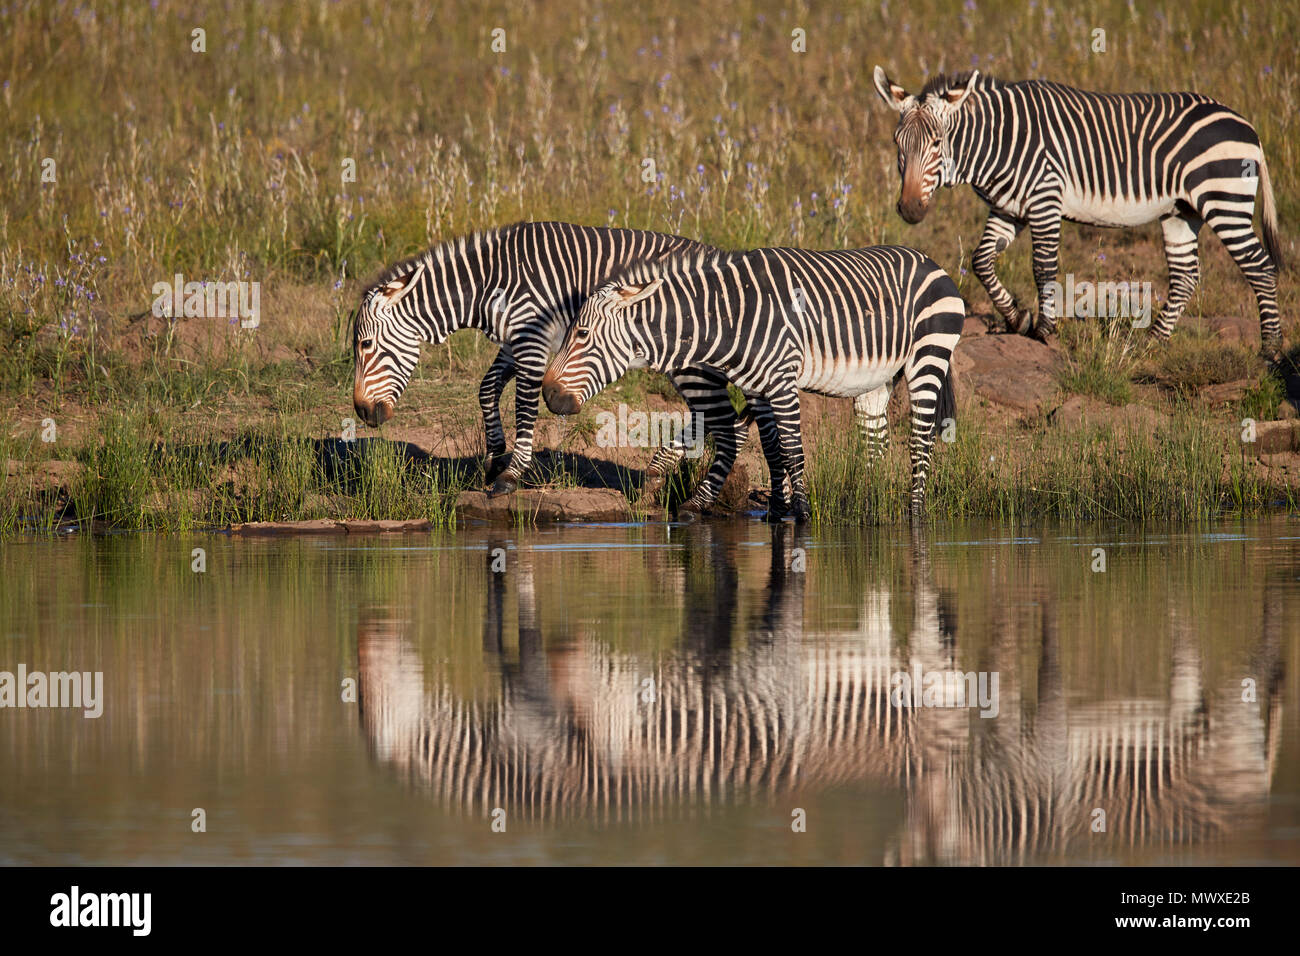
[(1100, 358), (233, 169), (1187, 470), (132, 478)]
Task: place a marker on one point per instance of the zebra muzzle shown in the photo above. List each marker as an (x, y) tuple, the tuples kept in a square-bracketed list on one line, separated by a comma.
[(559, 399), (912, 211), (373, 414)]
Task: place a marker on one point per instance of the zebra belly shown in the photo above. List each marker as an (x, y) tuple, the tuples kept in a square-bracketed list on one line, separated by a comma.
[(1103, 211), (846, 378)]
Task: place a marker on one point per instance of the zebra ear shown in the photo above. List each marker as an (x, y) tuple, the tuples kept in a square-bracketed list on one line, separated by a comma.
[(399, 287), (889, 91), (957, 95), (629, 293)]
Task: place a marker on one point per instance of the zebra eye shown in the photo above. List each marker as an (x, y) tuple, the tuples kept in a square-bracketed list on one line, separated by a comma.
[(582, 333), (366, 343)]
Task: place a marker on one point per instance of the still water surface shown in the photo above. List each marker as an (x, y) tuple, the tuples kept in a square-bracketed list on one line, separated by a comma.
[(657, 694)]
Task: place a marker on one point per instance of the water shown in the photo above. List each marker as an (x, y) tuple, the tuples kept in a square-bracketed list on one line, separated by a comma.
[(656, 694)]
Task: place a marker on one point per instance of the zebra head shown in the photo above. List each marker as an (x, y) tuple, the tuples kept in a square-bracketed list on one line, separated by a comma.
[(386, 339), (608, 338), (925, 159)]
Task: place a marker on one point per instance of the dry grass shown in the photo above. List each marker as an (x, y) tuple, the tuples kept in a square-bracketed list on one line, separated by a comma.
[(228, 164)]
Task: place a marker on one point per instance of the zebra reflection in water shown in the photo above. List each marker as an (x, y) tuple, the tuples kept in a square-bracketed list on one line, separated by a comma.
[(762, 710)]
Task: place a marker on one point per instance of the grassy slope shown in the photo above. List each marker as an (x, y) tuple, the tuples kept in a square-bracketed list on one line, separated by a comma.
[(227, 165)]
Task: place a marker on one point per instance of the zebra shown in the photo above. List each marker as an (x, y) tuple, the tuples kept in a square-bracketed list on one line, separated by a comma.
[(1039, 152), (521, 285), (839, 323)]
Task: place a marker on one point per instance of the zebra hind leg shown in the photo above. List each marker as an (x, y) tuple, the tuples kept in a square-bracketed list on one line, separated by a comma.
[(1237, 234), (1180, 231)]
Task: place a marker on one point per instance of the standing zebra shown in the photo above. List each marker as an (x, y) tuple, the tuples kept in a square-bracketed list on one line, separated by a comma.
[(521, 285), (1039, 152), (838, 323)]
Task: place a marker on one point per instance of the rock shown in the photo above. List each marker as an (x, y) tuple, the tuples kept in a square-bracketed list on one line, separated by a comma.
[(50, 473), (328, 526), (531, 505), (1232, 329), (1080, 411), (734, 495), (1226, 392), (1012, 370), (974, 326), (1275, 438)]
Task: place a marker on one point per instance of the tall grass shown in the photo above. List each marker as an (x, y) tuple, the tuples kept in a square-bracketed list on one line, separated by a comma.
[(185, 479), (1185, 471)]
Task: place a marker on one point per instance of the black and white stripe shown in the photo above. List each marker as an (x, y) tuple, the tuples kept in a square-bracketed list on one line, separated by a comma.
[(521, 285), (1038, 153), (840, 323)]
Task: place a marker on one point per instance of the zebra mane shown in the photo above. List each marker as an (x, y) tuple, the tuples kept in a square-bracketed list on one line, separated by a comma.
[(942, 82), (645, 269), (435, 253)]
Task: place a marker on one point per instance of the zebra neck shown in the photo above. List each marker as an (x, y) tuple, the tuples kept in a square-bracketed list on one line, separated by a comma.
[(970, 134), (467, 288)]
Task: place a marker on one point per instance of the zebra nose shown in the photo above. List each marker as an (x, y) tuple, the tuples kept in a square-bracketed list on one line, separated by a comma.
[(560, 400), (373, 414), (912, 210)]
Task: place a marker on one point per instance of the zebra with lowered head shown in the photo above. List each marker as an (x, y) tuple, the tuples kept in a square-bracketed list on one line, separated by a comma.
[(840, 323), (1038, 153), (521, 285)]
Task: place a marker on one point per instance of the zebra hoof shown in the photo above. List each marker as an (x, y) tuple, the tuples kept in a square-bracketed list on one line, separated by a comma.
[(802, 513), (1270, 348), (496, 465), (776, 512), (688, 514), (505, 485)]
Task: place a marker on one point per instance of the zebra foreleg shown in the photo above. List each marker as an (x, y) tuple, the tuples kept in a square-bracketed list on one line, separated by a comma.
[(778, 504), (871, 410), (1184, 269), (1045, 231), (706, 397), (528, 392), (729, 432), (999, 232), (785, 412), (499, 373)]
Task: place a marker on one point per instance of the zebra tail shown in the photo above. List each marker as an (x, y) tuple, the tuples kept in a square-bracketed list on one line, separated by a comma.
[(947, 407), (1269, 216)]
